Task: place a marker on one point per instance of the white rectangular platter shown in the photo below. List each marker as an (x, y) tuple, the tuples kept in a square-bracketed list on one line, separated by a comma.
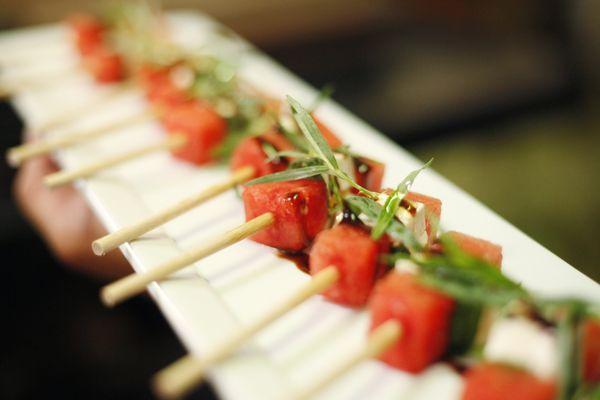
[(229, 289)]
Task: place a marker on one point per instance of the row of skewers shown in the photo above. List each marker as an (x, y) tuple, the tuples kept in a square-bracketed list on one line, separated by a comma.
[(432, 296)]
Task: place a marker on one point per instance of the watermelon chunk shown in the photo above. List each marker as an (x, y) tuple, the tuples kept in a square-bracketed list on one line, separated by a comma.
[(105, 65), (432, 204), (159, 88), (354, 253), (369, 173), (88, 32), (250, 153), (201, 125), (300, 208), (424, 313), (591, 351), (478, 248), (500, 382)]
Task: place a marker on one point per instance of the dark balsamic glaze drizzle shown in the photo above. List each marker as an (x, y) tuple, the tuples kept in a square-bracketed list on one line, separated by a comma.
[(348, 217), (300, 259)]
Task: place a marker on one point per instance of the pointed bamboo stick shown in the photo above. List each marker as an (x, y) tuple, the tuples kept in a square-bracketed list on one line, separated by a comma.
[(135, 284), (17, 155), (126, 234), (182, 376), (64, 177), (379, 341)]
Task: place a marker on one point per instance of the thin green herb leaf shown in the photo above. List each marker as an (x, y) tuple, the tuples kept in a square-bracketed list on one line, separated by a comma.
[(291, 174), (312, 133), (467, 285), (288, 154), (371, 210), (306, 161), (392, 203), (270, 151), (588, 393), (467, 278)]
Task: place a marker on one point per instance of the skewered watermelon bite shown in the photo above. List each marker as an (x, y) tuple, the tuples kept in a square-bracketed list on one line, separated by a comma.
[(591, 351), (478, 248), (424, 313), (369, 173), (88, 32), (203, 128), (500, 382), (105, 65), (159, 88), (432, 204), (354, 253), (300, 208), (250, 153)]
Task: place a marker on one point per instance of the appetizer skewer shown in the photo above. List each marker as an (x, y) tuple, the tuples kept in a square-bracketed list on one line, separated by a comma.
[(105, 66), (199, 130), (203, 122), (90, 38), (96, 41), (343, 277), (285, 214), (17, 155), (356, 273), (249, 160)]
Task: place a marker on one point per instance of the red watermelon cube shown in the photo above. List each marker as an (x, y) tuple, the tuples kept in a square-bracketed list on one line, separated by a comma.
[(250, 153), (300, 208), (332, 140), (501, 382), (478, 248), (87, 31), (369, 173), (591, 350), (203, 128), (424, 313), (105, 65), (354, 253)]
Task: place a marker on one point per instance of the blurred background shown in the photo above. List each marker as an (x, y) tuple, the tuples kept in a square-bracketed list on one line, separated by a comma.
[(504, 94)]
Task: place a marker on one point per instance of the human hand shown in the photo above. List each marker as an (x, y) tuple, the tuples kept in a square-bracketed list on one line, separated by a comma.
[(65, 222)]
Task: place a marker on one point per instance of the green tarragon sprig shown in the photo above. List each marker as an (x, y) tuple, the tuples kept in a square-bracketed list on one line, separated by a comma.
[(318, 150), (392, 203)]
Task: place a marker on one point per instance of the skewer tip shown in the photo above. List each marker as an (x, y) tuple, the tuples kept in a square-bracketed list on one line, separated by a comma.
[(12, 158), (107, 297), (98, 248), (179, 379), (160, 389)]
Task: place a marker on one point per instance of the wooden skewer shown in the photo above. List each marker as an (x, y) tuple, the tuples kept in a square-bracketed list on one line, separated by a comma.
[(64, 177), (18, 154), (113, 240), (182, 376), (379, 341), (134, 284)]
